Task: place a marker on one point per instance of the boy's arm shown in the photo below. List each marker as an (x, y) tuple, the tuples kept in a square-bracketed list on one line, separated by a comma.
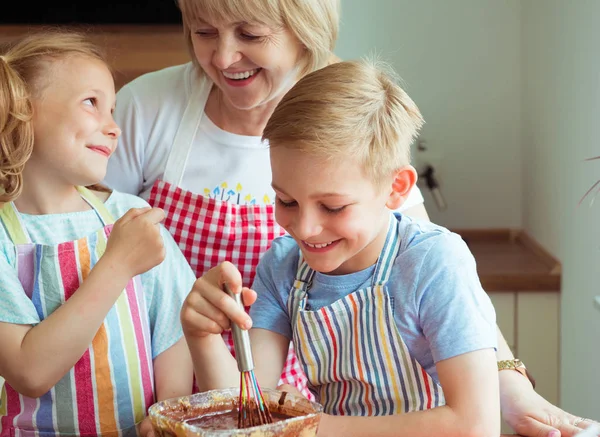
[(470, 385), (269, 350)]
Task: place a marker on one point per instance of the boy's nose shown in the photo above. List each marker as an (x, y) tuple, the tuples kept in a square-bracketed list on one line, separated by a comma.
[(307, 226)]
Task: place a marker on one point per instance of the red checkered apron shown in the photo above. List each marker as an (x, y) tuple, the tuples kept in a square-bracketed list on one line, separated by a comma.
[(210, 231)]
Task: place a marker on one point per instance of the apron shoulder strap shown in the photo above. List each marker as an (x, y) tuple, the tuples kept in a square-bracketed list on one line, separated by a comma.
[(12, 223), (186, 132)]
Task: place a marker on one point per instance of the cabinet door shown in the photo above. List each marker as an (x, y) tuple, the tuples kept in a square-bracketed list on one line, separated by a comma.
[(538, 334), (504, 304)]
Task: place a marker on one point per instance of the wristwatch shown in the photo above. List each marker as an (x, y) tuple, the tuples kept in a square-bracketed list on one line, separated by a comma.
[(517, 365)]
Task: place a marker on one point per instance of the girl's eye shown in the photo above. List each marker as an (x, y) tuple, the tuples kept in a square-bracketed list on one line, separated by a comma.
[(334, 210), (90, 101), (286, 204)]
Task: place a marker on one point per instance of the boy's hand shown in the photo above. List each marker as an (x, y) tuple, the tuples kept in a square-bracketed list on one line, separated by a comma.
[(135, 244), (209, 310)]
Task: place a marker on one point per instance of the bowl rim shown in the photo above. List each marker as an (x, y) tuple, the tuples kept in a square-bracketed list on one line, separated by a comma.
[(153, 411)]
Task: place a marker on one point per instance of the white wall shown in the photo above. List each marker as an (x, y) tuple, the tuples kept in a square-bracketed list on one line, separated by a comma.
[(460, 62), (561, 106)]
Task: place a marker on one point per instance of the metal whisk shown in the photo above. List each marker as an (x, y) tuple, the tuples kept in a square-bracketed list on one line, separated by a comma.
[(252, 408)]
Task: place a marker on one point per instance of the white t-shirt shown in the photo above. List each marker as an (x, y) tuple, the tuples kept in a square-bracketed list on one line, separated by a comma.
[(220, 164)]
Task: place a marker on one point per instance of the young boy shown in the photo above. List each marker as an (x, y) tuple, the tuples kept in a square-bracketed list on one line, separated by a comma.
[(386, 313)]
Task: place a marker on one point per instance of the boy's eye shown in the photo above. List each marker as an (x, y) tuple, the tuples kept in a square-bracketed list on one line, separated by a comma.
[(334, 210), (288, 204), (90, 101)]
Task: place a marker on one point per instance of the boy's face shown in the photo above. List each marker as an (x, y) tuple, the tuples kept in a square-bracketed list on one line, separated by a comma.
[(335, 213)]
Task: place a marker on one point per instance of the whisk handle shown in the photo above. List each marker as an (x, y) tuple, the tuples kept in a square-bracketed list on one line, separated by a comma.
[(241, 339)]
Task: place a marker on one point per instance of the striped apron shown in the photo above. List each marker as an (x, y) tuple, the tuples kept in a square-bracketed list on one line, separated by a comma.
[(210, 231), (352, 352), (109, 389)]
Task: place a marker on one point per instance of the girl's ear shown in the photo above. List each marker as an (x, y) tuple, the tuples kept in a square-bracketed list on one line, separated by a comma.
[(404, 179)]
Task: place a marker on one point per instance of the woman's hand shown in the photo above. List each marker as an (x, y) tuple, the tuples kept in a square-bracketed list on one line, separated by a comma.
[(530, 415), (208, 310), (135, 244)]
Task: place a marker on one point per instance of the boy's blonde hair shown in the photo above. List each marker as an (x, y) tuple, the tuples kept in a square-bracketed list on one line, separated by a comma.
[(25, 71), (349, 109), (315, 23)]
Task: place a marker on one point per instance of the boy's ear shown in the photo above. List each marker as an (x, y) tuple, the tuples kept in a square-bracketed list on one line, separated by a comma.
[(404, 179)]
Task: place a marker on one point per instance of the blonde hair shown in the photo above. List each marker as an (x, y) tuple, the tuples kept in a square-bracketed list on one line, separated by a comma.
[(349, 109), (25, 71), (315, 23)]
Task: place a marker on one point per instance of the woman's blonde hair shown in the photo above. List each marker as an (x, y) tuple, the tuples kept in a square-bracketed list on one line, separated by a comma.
[(315, 23), (349, 109), (25, 71)]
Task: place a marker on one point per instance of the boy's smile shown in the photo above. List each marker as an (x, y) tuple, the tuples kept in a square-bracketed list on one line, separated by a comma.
[(335, 213)]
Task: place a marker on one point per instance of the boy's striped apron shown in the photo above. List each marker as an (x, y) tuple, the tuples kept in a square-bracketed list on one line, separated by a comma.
[(109, 389), (352, 352), (210, 231)]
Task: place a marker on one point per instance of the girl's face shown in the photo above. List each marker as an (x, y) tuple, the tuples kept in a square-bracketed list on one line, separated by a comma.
[(251, 63), (74, 129)]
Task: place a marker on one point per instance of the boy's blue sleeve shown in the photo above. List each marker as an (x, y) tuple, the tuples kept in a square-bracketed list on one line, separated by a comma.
[(456, 315), (274, 278), (166, 287), (16, 307)]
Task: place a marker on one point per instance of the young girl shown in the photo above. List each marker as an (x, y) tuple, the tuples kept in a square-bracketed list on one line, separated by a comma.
[(90, 335)]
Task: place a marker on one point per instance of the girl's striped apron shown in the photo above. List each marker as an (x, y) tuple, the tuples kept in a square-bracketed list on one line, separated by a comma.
[(352, 352), (210, 231), (109, 389)]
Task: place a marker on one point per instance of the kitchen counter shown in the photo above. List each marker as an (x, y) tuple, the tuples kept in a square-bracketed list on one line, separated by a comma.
[(510, 260)]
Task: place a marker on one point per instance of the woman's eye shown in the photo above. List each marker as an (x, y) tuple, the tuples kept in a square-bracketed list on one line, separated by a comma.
[(286, 204), (249, 36)]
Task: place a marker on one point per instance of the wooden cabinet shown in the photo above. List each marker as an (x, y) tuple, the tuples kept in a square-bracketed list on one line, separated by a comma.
[(530, 323)]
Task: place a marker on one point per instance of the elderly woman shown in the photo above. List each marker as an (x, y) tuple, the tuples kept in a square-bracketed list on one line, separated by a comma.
[(191, 145)]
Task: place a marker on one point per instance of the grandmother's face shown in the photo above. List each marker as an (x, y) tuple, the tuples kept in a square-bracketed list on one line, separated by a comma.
[(252, 64)]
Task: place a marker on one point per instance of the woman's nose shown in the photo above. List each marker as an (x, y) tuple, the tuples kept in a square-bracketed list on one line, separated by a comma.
[(226, 53)]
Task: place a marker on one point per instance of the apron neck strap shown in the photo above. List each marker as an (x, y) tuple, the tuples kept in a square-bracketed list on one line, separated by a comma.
[(388, 254), (97, 205), (11, 218), (186, 132)]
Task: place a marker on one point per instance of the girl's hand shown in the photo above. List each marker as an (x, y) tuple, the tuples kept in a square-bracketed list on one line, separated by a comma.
[(135, 244), (145, 428), (209, 310)]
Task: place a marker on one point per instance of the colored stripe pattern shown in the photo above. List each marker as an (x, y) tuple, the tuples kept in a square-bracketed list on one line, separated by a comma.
[(352, 352), (209, 231), (110, 388)]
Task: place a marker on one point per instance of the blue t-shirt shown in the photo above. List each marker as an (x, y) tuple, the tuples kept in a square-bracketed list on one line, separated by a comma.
[(439, 306), (165, 286)]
